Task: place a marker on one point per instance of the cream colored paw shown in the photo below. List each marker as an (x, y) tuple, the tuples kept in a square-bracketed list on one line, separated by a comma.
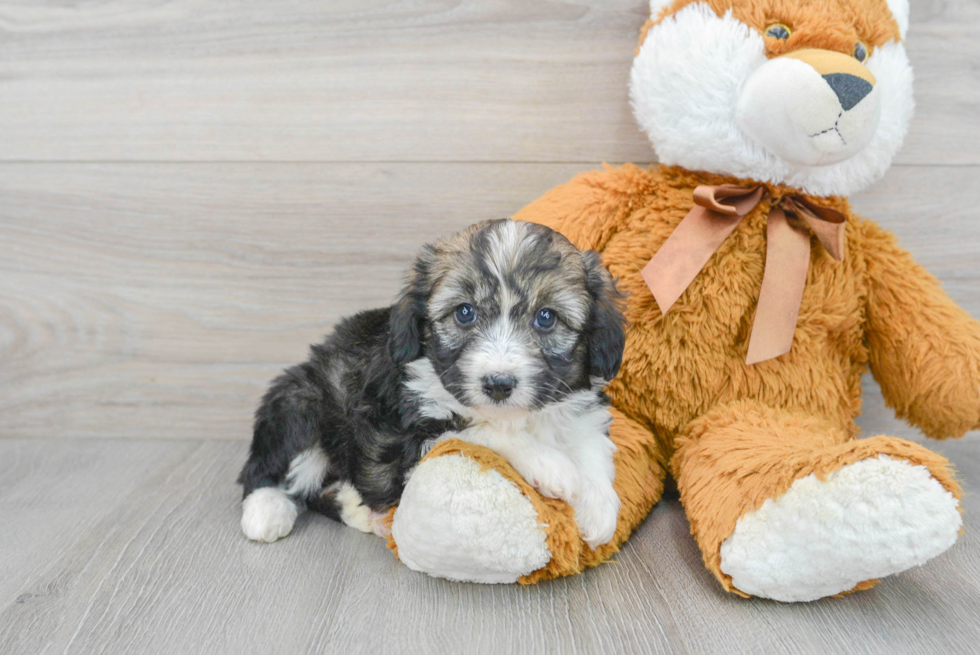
[(353, 511), (552, 475), (268, 514), (596, 513), (867, 520), (459, 522)]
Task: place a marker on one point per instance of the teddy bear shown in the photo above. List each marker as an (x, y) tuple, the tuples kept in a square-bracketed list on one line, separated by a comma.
[(756, 299)]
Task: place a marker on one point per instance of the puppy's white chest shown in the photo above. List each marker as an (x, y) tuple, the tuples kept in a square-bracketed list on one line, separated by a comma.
[(515, 431)]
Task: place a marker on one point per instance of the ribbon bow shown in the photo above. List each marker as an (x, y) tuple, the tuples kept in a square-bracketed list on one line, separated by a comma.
[(716, 213)]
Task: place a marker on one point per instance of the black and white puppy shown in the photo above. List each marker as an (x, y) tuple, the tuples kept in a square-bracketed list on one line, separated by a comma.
[(505, 336)]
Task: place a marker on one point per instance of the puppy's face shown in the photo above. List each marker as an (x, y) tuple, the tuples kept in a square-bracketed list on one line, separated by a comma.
[(511, 315)]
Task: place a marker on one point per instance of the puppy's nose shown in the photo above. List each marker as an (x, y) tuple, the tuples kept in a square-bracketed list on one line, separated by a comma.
[(850, 89), (499, 387)]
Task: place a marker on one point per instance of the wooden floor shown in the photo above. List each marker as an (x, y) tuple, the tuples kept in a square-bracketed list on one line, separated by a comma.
[(132, 546), (191, 191)]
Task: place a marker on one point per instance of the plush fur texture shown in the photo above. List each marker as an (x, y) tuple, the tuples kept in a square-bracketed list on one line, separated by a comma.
[(688, 104), (824, 537), (765, 457), (684, 375), (640, 473), (507, 543)]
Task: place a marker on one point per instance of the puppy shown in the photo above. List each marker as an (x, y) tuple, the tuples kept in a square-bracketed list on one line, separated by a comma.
[(505, 336)]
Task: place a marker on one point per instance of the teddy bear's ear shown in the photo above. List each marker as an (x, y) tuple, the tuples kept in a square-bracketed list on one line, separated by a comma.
[(900, 12), (606, 328), (657, 5), (407, 319)]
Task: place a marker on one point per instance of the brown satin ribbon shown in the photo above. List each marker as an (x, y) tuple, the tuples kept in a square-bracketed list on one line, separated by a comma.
[(716, 213)]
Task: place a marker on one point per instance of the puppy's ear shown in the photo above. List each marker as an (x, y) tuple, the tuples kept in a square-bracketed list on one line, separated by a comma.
[(407, 321), (606, 329)]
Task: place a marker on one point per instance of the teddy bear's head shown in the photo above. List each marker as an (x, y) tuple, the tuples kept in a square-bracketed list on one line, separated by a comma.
[(814, 94)]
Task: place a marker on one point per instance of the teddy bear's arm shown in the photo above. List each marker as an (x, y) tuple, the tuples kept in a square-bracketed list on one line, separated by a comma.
[(588, 209), (924, 348), (467, 514)]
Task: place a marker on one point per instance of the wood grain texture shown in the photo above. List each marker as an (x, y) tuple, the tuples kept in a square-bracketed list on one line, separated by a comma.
[(380, 80), (158, 300), (148, 558), (164, 568), (144, 307)]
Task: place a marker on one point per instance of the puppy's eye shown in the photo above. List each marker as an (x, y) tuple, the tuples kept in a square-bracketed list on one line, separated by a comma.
[(778, 31), (546, 319), (860, 51), (465, 314)]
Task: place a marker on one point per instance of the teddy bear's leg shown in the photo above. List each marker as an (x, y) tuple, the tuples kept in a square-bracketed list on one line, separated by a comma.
[(788, 507), (466, 514)]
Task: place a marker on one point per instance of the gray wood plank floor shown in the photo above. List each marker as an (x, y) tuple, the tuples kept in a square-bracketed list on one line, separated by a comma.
[(191, 191), (130, 546)]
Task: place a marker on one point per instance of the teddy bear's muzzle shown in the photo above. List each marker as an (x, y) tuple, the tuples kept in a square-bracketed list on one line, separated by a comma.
[(810, 107)]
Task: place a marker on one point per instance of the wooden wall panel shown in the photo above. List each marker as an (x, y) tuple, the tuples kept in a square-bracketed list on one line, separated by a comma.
[(157, 300), (379, 80)]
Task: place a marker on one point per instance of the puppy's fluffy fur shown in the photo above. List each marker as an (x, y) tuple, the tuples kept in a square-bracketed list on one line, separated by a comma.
[(504, 336)]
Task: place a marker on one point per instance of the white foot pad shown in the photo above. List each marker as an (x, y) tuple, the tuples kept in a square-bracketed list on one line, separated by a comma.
[(867, 520), (458, 522), (268, 514)]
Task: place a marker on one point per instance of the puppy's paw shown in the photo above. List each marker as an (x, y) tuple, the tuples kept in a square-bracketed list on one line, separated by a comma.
[(379, 524), (268, 514), (597, 513), (356, 514), (553, 475), (429, 444)]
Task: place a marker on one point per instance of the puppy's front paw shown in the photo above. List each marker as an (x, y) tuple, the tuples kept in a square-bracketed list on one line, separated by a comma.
[(267, 515), (553, 476), (596, 514)]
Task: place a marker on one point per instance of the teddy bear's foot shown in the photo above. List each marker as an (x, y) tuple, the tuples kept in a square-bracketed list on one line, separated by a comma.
[(467, 514), (460, 521), (866, 520), (788, 506)]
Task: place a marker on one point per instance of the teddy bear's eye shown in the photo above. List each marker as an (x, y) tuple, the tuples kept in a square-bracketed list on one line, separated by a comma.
[(860, 51), (778, 31)]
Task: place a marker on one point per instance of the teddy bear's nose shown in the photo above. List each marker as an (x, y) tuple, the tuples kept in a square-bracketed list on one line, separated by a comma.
[(850, 89)]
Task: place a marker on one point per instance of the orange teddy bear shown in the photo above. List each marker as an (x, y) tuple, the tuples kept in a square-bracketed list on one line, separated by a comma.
[(756, 300)]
